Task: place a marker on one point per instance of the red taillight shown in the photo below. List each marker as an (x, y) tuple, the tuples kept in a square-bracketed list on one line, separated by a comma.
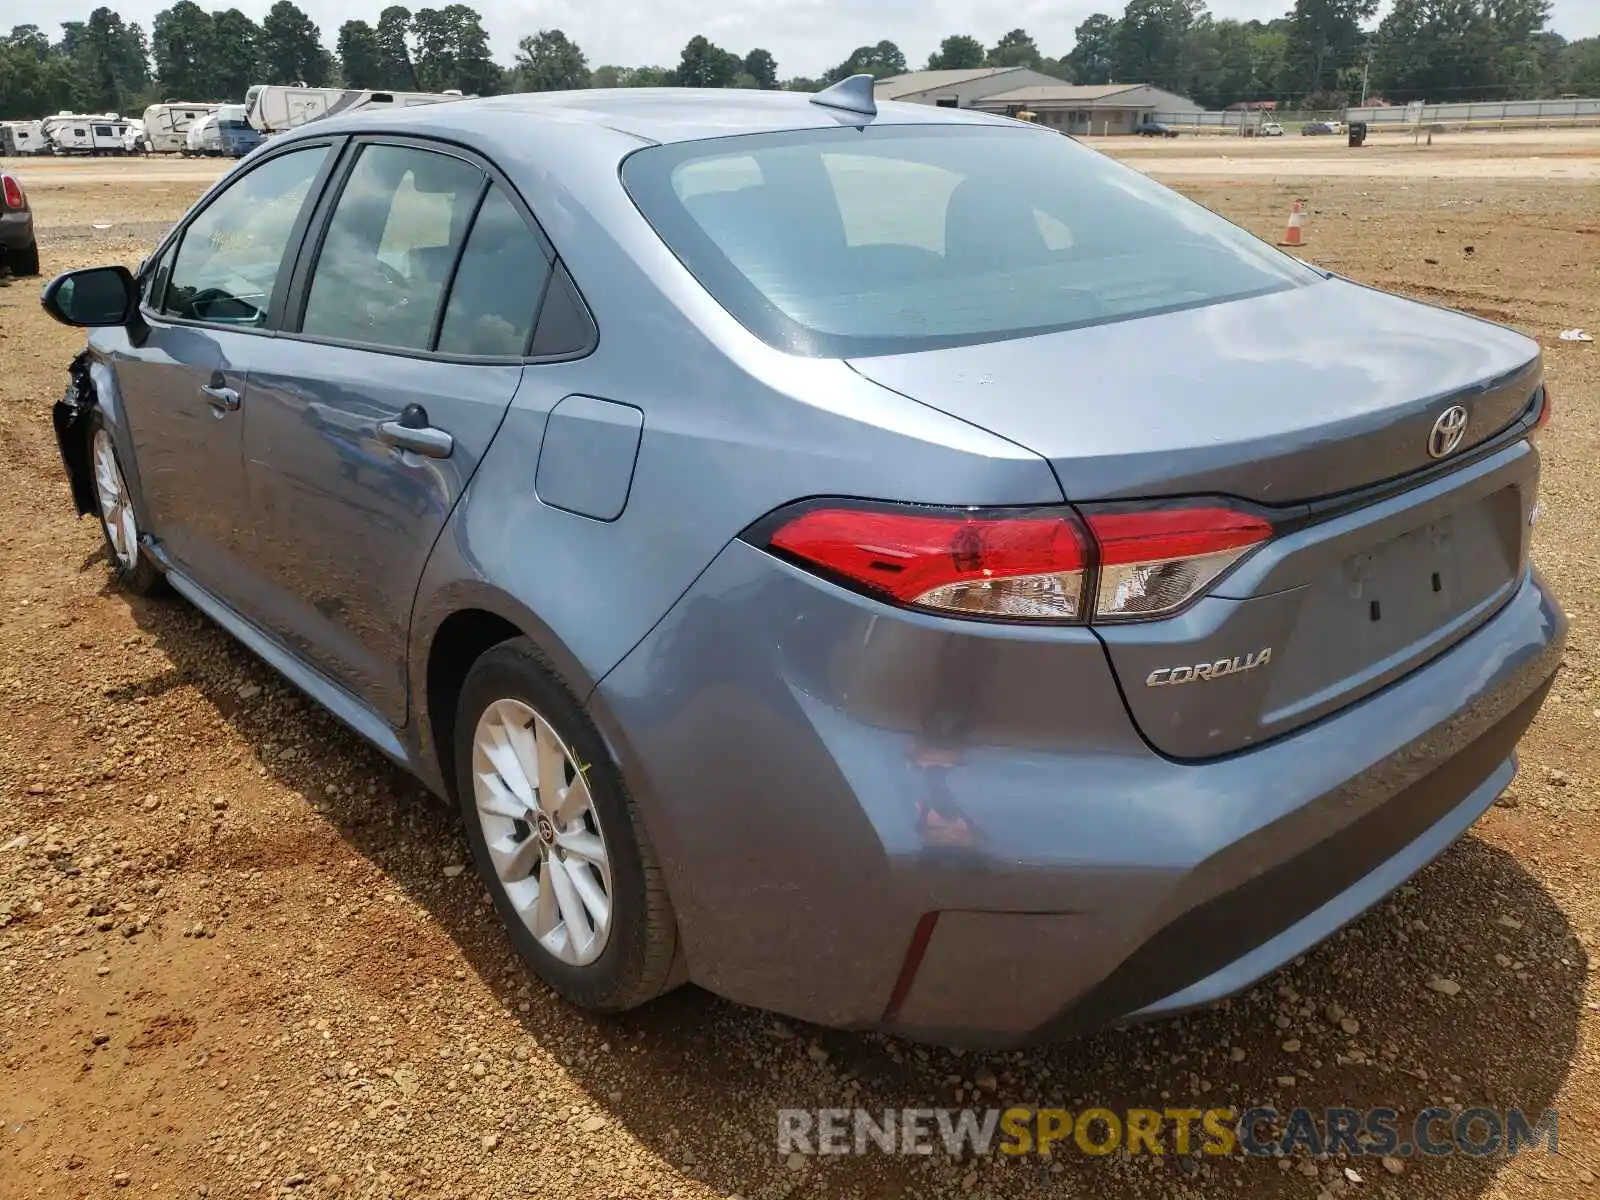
[(1029, 565), (1154, 560), (13, 192)]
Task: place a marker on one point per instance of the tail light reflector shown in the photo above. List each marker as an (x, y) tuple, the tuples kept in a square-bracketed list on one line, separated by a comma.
[(1028, 566), (13, 192), (1546, 408), (1153, 561), (1024, 565)]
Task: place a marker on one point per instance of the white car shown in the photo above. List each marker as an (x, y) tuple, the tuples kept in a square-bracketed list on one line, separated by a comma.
[(1270, 129)]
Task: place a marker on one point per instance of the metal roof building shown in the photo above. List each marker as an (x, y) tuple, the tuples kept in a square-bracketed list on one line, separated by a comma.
[(1098, 108)]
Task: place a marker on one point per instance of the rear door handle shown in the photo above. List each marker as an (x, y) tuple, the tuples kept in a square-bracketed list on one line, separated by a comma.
[(419, 439), (223, 399)]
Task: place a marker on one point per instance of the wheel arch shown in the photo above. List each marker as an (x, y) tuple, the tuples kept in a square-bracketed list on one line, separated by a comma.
[(450, 632)]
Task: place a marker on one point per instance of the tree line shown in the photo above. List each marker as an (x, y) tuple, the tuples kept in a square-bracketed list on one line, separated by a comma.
[(1323, 53)]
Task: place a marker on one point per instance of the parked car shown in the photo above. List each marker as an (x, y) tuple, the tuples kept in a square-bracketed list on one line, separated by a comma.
[(1156, 129), (1312, 128), (775, 616), (19, 251), (1270, 129)]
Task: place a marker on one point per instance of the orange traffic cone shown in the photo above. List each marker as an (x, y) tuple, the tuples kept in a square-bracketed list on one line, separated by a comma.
[(1297, 218)]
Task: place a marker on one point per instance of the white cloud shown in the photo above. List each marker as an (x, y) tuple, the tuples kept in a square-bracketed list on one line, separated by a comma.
[(806, 36)]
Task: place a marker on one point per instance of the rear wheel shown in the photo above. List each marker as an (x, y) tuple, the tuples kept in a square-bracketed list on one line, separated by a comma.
[(24, 261), (130, 561), (556, 838)]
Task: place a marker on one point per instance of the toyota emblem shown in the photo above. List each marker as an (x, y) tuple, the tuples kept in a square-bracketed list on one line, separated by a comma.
[(1448, 430)]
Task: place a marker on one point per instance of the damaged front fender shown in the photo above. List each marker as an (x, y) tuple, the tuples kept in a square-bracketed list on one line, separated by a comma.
[(71, 418)]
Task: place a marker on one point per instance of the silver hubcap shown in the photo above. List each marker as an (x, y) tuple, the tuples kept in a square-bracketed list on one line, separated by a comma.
[(542, 831), (116, 511)]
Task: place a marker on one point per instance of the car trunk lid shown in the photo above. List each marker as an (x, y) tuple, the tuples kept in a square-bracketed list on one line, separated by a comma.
[(1300, 393)]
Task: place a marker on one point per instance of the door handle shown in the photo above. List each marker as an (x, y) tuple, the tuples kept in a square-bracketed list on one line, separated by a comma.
[(223, 399), (419, 439)]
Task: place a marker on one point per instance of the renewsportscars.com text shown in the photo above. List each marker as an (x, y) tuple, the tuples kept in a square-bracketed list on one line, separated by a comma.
[(1259, 1132)]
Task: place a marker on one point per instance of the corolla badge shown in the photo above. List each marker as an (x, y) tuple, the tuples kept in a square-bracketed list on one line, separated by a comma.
[(1448, 430), (1208, 671)]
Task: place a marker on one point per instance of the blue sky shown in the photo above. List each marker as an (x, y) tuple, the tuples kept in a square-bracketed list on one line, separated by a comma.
[(806, 36)]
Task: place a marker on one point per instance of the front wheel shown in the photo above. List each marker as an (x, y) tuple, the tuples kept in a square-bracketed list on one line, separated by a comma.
[(130, 561), (556, 837)]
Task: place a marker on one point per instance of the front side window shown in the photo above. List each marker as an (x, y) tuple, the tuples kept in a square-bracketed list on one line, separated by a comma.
[(231, 256), (852, 242), (394, 236)]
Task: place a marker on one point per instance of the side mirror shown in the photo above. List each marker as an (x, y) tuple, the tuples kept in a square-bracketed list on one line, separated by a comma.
[(93, 297)]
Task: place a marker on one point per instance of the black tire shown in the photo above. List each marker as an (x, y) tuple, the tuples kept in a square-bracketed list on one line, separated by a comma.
[(142, 577), (639, 961), (24, 261)]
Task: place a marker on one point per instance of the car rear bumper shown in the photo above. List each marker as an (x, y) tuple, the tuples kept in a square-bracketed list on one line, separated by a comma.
[(951, 830), (16, 230)]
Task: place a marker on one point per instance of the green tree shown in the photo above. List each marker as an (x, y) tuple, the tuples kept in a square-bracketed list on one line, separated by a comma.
[(763, 68), (109, 62), (1015, 49), (648, 77), (35, 80), (235, 54), (1325, 36), (549, 61), (453, 51), (608, 77), (182, 45), (958, 52), (1578, 69), (706, 65), (880, 61), (395, 68), (803, 83), (1093, 57), (291, 47), (359, 56), (1151, 39), (1460, 49)]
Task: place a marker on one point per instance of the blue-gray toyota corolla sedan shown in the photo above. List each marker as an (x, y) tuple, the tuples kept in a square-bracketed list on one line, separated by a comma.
[(893, 566)]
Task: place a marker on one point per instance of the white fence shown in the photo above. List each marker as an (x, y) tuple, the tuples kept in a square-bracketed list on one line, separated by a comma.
[(1483, 112)]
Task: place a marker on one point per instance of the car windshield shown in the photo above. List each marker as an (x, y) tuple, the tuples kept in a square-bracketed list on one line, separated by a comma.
[(855, 242)]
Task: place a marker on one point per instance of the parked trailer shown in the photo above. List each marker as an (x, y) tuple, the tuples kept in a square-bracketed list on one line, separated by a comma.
[(133, 137), (224, 132), (85, 133), (166, 125), (271, 108), (23, 137)]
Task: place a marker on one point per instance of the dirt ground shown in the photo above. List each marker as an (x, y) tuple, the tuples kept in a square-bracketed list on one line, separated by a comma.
[(238, 956)]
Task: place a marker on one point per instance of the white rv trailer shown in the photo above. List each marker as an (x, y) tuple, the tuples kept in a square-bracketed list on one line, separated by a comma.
[(23, 137), (202, 137), (272, 108), (166, 124), (133, 137), (85, 133)]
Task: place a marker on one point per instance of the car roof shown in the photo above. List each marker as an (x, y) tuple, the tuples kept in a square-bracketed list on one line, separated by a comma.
[(647, 114)]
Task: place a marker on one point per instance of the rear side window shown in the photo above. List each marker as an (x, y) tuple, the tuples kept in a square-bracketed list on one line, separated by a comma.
[(394, 237), (231, 255), (852, 242), (498, 284)]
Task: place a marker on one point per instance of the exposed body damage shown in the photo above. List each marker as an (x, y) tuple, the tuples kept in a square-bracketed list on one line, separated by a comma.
[(71, 418)]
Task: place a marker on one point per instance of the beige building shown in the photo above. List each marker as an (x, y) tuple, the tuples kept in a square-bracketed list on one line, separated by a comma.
[(1098, 108)]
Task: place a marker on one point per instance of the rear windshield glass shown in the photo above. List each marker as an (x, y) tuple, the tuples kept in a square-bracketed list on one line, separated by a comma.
[(854, 242)]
